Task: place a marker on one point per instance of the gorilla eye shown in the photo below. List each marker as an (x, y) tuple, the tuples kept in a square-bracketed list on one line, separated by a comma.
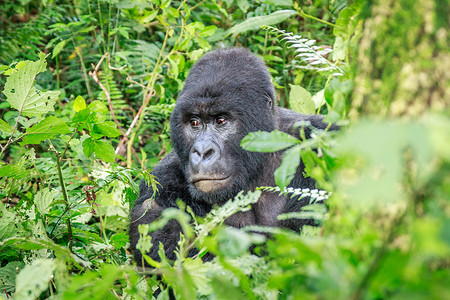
[(195, 123), (221, 120)]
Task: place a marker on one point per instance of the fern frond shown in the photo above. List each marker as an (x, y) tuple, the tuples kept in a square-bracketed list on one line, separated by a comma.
[(311, 55), (315, 194)]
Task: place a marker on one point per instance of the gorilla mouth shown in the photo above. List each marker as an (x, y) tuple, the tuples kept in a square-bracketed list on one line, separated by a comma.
[(209, 184)]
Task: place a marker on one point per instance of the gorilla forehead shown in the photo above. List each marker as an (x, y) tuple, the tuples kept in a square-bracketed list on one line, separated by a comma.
[(231, 74)]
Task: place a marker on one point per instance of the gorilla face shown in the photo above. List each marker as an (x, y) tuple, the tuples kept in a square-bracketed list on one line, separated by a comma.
[(226, 96)]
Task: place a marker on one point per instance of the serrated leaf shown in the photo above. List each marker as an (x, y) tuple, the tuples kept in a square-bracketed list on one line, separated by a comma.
[(21, 93), (43, 199), (33, 279), (46, 129), (105, 151), (289, 163), (8, 275), (14, 171), (107, 128), (255, 23), (300, 100), (79, 104), (263, 141), (119, 240)]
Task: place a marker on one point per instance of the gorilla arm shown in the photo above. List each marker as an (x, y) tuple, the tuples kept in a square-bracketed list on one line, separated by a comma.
[(146, 210), (286, 121)]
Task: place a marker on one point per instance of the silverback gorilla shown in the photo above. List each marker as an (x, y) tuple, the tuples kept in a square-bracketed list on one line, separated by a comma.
[(227, 94)]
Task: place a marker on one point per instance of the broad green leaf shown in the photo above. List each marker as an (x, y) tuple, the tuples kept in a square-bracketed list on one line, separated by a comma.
[(88, 146), (14, 171), (5, 128), (8, 275), (319, 99), (107, 128), (79, 104), (27, 243), (255, 23), (119, 240), (348, 20), (100, 110), (340, 49), (33, 279), (300, 100), (43, 199), (289, 163), (21, 93), (233, 242), (46, 129), (105, 151), (263, 141), (243, 5)]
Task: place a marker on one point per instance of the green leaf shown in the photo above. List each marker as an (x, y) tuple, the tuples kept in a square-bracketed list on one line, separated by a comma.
[(58, 48), (43, 199), (319, 99), (21, 93), (33, 279), (5, 128), (79, 104), (100, 110), (289, 163), (300, 100), (263, 141), (14, 171), (105, 151), (46, 129), (243, 5), (287, 3), (119, 240), (255, 23), (8, 276), (88, 146), (107, 128)]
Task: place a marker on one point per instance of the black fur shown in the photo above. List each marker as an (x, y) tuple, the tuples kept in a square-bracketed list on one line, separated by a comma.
[(235, 84)]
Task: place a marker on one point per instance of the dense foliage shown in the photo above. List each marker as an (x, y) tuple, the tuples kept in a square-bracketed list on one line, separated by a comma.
[(87, 88)]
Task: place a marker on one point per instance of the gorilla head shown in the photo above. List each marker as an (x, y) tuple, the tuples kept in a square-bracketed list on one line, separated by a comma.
[(227, 94)]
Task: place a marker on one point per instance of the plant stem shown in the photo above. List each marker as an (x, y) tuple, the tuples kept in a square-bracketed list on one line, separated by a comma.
[(66, 199), (305, 15)]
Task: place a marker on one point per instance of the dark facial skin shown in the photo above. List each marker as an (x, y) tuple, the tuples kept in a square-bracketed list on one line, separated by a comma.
[(209, 170)]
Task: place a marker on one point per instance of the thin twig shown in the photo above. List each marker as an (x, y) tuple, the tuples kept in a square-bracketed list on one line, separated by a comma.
[(94, 75), (136, 118)]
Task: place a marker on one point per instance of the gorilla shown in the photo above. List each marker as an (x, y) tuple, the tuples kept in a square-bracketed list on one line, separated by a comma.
[(227, 94)]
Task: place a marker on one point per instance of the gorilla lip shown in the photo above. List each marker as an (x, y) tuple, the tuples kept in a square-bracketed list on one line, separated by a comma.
[(196, 179), (209, 184)]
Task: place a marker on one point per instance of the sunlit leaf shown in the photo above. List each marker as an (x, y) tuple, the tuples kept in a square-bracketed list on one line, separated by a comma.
[(288, 167), (263, 141), (255, 23), (21, 93), (46, 129)]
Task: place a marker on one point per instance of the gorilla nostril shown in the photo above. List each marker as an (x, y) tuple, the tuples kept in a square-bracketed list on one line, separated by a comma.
[(208, 154)]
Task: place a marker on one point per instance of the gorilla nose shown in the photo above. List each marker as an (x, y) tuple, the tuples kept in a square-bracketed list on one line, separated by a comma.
[(203, 155)]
